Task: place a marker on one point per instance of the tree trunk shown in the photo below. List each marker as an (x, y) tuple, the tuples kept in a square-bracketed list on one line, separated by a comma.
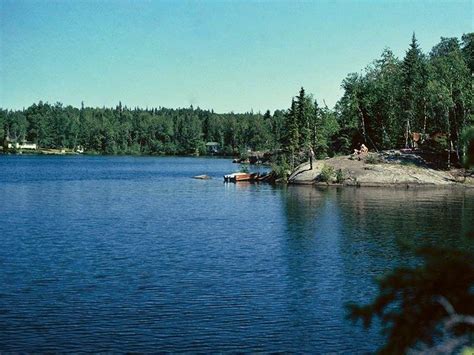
[(458, 156), (449, 153), (407, 132), (425, 117), (362, 121), (292, 159), (449, 137)]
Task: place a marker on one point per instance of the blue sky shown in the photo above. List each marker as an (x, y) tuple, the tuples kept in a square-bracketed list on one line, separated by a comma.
[(226, 55)]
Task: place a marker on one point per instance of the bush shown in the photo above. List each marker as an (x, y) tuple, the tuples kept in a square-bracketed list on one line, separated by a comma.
[(467, 138), (327, 174), (281, 168), (340, 176), (372, 159), (244, 154), (437, 144)]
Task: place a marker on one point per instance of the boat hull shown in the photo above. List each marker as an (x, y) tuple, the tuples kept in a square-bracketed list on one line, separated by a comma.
[(239, 177)]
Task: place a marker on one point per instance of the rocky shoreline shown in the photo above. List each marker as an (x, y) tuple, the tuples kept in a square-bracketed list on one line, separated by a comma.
[(378, 169)]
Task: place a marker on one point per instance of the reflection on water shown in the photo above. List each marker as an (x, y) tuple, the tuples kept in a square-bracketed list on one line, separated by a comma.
[(340, 239), (130, 254)]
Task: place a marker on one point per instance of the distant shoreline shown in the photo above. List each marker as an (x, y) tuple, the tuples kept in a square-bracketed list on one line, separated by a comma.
[(354, 172), (92, 154)]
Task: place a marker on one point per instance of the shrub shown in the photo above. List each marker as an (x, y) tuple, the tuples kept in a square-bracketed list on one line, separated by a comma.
[(340, 176), (467, 138), (327, 173), (281, 171), (372, 159), (281, 167), (244, 154)]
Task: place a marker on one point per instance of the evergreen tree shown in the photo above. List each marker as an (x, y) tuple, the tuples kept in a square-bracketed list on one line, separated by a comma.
[(291, 138), (303, 117), (468, 50), (315, 127), (414, 90), (267, 116)]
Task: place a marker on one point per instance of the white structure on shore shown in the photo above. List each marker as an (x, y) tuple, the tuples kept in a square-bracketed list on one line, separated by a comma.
[(23, 145)]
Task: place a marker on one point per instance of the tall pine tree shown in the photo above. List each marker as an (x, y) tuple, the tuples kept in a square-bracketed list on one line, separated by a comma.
[(303, 118), (414, 88)]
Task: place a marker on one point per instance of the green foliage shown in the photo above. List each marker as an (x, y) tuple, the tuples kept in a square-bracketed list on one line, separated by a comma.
[(306, 126), (281, 168), (303, 115), (408, 302), (391, 99), (122, 130), (327, 174), (468, 50), (451, 90), (380, 107), (340, 177), (467, 138), (244, 155), (437, 144), (372, 159), (414, 82)]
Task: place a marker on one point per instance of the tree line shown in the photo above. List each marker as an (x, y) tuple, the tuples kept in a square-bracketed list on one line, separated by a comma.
[(382, 106), (422, 99), (425, 94), (123, 130)]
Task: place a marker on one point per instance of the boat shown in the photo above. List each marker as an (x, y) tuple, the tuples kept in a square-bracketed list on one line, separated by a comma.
[(238, 177), (267, 177)]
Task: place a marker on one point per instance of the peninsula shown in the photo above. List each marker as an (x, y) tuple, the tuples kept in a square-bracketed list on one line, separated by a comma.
[(378, 169)]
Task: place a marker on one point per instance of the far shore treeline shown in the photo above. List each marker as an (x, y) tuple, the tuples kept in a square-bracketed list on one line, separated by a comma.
[(382, 106)]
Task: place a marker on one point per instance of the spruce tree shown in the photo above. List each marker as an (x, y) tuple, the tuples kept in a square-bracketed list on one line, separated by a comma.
[(414, 88), (303, 113), (468, 49), (290, 139)]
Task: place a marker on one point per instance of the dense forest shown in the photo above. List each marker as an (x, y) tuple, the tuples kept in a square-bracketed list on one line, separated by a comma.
[(382, 106), (123, 130)]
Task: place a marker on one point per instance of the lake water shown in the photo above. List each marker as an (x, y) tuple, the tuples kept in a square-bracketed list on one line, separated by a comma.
[(131, 254)]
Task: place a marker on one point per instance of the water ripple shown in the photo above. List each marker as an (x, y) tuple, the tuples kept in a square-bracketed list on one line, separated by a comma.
[(119, 254)]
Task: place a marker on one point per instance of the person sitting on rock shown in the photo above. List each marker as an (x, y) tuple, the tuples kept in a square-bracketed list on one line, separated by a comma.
[(363, 150)]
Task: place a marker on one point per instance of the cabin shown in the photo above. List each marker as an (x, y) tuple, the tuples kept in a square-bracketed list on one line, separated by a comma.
[(212, 147)]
